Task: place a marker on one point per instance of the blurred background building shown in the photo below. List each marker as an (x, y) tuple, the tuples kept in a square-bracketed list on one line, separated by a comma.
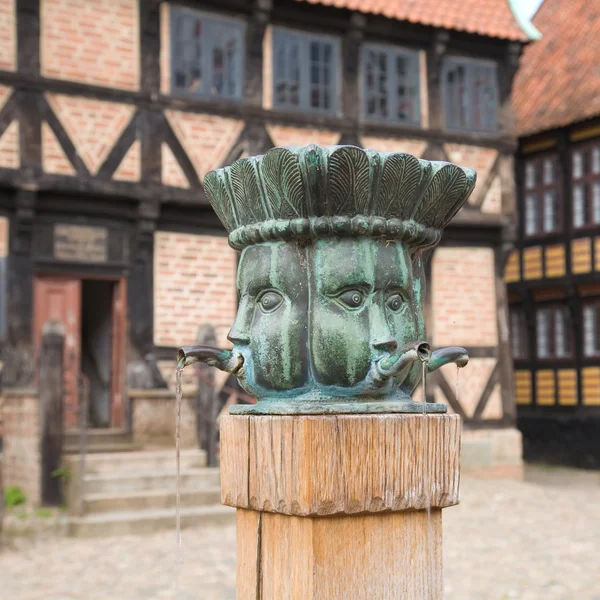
[(553, 276), (111, 113)]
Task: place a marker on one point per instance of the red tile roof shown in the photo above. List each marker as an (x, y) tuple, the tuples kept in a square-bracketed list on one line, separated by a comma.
[(493, 18), (558, 81)]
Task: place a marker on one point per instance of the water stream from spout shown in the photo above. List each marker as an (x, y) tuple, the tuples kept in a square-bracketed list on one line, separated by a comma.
[(178, 399), (457, 383), (428, 566)]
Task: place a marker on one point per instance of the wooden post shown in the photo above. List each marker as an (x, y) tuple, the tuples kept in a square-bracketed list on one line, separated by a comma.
[(334, 507), (206, 405), (51, 409)]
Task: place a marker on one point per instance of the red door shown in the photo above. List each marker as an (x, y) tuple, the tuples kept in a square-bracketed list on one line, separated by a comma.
[(59, 298), (119, 321)]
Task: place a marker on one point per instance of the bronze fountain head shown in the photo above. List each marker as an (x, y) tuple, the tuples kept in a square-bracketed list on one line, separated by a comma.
[(331, 276)]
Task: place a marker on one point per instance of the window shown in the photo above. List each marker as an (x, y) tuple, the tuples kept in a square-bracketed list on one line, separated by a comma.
[(585, 174), (542, 199), (305, 71), (591, 328), (518, 333), (470, 90), (554, 333), (207, 55), (390, 84)]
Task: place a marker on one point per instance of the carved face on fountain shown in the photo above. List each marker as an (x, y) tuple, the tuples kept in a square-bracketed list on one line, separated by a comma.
[(330, 277), (316, 317)]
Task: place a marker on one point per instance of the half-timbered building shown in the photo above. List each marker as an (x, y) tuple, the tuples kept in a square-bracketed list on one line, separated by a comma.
[(111, 113), (553, 276)]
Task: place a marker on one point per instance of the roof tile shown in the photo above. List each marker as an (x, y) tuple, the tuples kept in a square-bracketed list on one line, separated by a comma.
[(493, 18), (558, 81)]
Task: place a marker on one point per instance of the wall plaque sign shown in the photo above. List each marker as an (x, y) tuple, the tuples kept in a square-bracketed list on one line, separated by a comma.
[(80, 243)]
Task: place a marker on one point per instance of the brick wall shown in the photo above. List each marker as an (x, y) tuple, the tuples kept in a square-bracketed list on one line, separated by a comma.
[(8, 36), (492, 203), (95, 42), (130, 168), (472, 381), (283, 135), (153, 418), (475, 157), (21, 440), (206, 139), (172, 174), (54, 159), (94, 126), (463, 297), (9, 147), (411, 146), (3, 237), (194, 283)]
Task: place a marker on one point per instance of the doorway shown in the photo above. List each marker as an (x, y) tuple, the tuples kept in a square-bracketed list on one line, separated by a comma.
[(92, 310), (95, 366)]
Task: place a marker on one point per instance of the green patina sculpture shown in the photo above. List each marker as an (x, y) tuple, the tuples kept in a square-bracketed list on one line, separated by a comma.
[(331, 276)]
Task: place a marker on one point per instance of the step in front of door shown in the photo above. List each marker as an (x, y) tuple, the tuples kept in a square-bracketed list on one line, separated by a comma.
[(148, 521)]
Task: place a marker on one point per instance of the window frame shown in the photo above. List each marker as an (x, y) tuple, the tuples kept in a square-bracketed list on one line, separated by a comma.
[(392, 51), (587, 180), (554, 307), (540, 189), (236, 22), (470, 64), (595, 302), (305, 84)]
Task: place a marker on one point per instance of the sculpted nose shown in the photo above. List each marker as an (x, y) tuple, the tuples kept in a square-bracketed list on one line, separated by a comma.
[(237, 336), (240, 330), (389, 344)]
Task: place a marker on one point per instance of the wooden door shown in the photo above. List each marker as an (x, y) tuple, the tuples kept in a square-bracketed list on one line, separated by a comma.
[(119, 324), (59, 298)]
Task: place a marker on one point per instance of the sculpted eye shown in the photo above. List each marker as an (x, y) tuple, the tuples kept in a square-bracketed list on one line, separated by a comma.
[(395, 302), (352, 298), (270, 301)]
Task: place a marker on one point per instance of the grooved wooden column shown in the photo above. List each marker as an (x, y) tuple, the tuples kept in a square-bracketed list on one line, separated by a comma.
[(332, 507)]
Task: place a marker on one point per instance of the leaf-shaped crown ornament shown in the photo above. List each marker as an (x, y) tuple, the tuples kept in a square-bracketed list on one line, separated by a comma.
[(327, 191)]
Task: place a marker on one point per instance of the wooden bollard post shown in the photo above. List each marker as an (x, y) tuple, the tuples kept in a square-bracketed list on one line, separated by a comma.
[(51, 386), (333, 507)]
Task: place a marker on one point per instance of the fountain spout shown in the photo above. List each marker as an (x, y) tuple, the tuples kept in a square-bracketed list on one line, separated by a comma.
[(444, 356), (398, 365), (225, 360)]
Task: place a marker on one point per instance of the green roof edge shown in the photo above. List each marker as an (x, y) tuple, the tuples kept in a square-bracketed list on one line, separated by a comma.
[(531, 31)]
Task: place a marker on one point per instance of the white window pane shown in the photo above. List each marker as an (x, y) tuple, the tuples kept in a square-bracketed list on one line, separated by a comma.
[(530, 175), (590, 343), (596, 202), (531, 217), (577, 165), (550, 216), (305, 76), (543, 333), (560, 340), (596, 160), (390, 84), (206, 55), (514, 334), (548, 171), (579, 206), (470, 95)]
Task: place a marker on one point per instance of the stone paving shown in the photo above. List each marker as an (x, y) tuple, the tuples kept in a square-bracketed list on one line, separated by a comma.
[(531, 540)]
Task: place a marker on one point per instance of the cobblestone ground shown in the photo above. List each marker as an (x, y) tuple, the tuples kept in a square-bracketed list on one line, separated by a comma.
[(530, 541)]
